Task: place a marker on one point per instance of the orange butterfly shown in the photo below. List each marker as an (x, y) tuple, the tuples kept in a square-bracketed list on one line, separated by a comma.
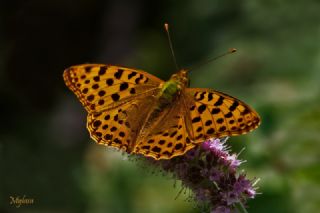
[(140, 113)]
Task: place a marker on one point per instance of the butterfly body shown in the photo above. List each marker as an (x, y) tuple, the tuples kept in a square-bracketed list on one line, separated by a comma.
[(173, 87), (135, 111)]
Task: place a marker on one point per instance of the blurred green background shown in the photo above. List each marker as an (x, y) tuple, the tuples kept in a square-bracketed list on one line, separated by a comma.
[(45, 150)]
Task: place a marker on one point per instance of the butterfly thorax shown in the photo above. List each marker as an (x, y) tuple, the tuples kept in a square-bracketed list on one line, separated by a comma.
[(173, 87)]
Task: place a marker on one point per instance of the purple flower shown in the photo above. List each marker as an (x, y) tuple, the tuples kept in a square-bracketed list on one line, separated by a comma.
[(233, 161), (210, 171), (191, 153), (230, 197), (206, 145), (202, 194), (214, 145), (251, 192), (221, 209), (241, 184), (215, 174)]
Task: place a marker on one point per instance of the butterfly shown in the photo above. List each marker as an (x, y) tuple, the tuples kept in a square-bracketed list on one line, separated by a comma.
[(139, 113)]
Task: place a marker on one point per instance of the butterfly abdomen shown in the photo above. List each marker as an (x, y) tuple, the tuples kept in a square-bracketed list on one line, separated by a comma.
[(165, 99)]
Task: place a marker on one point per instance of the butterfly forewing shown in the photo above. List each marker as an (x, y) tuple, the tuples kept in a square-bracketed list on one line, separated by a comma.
[(215, 114), (101, 86)]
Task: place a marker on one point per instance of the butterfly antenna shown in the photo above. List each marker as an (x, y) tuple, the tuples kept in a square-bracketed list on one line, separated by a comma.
[(231, 50), (166, 27)]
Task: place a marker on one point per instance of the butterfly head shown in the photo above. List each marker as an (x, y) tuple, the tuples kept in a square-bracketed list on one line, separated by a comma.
[(181, 78)]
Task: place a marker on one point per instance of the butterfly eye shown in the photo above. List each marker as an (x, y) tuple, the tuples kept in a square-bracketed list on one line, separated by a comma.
[(185, 81)]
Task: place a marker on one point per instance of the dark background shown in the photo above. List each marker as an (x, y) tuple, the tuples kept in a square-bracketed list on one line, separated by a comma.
[(45, 150)]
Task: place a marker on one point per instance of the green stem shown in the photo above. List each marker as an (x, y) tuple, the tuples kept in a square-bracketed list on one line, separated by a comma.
[(241, 207)]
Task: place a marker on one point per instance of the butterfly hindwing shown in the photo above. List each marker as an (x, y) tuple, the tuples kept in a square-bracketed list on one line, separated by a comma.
[(118, 127), (169, 137), (215, 114)]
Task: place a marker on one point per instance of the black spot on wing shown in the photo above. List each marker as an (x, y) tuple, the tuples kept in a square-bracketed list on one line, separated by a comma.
[(139, 79), (215, 111), (156, 149), (220, 120), (108, 137), (118, 74), (95, 86), (132, 74), (161, 142), (115, 97), (88, 69), (101, 93), (132, 91), (246, 111), (201, 97), (202, 108), (146, 147), (109, 81), (96, 78), (90, 97), (102, 70), (196, 119), (228, 115), (210, 131), (178, 146), (208, 123), (234, 106), (124, 86), (219, 102), (173, 134), (96, 123)]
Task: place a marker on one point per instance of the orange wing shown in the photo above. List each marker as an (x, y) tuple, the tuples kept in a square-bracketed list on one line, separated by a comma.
[(118, 127), (100, 86), (114, 97), (214, 114), (169, 138)]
